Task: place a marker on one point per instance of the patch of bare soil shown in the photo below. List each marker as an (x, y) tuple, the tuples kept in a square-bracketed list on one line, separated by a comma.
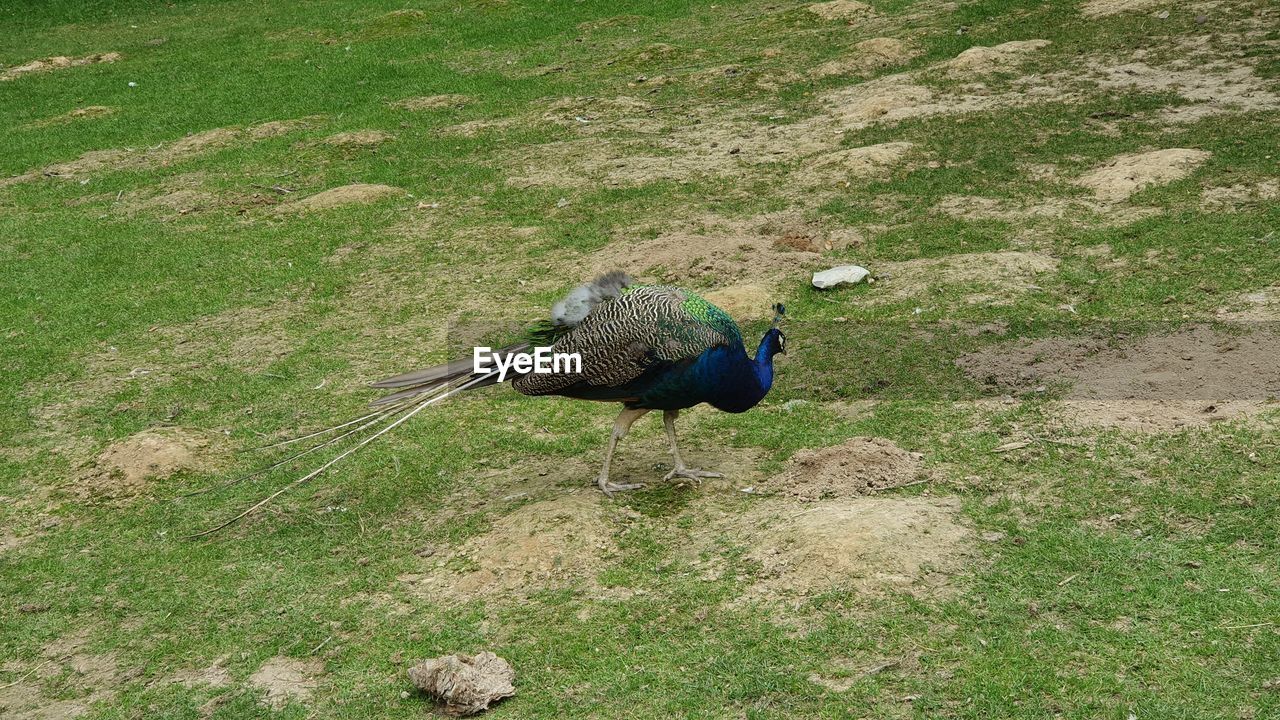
[(894, 98), (1103, 8), (1260, 306), (978, 60), (841, 10), (432, 102), (214, 676), (58, 62), (284, 680), (868, 56), (127, 468), (93, 678), (1156, 382), (1125, 175), (176, 196), (710, 249), (688, 150), (743, 302), (1073, 210), (472, 128), (182, 201), (359, 139), (162, 155), (843, 167), (859, 466), (355, 194), (1213, 85), (994, 277), (80, 113), (1234, 198), (552, 543), (710, 142), (867, 545), (590, 115), (10, 542)]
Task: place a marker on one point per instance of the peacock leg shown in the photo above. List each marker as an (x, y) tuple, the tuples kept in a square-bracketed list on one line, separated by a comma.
[(620, 428), (694, 474)]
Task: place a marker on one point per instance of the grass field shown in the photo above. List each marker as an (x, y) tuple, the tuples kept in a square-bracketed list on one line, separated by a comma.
[(1028, 472)]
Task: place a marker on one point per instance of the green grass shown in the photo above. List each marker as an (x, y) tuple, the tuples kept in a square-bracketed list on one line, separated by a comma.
[(240, 323)]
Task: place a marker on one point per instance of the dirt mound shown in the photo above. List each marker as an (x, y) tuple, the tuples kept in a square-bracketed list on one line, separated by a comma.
[(127, 468), (994, 277), (359, 139), (990, 59), (284, 680), (432, 102), (1234, 198), (743, 302), (859, 466), (89, 111), (712, 249), (845, 166), (355, 194), (1102, 8), (1125, 175), (548, 544), (841, 10), (178, 195), (1190, 377), (276, 128), (176, 202), (67, 661), (888, 99), (57, 62), (867, 56), (866, 545), (10, 542)]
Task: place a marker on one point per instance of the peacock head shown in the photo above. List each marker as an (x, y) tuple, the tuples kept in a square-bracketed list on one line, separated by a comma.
[(774, 342)]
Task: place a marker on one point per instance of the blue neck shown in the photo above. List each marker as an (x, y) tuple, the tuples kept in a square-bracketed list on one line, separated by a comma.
[(739, 382), (763, 364)]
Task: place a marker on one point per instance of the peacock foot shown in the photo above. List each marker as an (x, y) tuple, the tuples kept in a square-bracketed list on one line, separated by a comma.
[(609, 488), (693, 474)]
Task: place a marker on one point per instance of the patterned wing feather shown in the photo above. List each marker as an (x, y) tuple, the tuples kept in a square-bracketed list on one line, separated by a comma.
[(645, 326)]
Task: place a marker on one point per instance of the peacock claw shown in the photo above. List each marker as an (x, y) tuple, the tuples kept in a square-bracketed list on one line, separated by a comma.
[(693, 474), (609, 488)]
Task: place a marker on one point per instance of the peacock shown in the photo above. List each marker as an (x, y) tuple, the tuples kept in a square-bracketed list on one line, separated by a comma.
[(649, 347)]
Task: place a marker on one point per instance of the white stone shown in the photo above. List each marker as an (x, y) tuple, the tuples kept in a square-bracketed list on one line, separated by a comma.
[(842, 275)]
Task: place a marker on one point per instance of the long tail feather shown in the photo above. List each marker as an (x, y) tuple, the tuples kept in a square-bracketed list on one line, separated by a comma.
[(425, 375), (377, 417), (325, 431), (404, 410), (430, 379)]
